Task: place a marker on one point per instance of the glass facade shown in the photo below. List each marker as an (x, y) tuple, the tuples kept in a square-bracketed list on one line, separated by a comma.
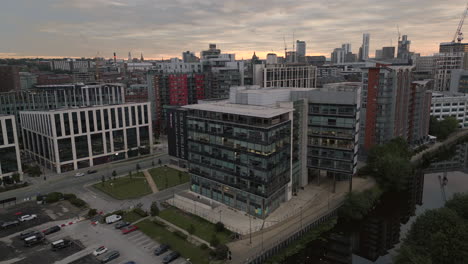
[(331, 140), (246, 167)]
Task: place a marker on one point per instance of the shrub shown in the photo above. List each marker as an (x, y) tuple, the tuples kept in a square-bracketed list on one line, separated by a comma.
[(221, 252), (203, 246), (180, 234), (69, 196), (219, 227), (53, 197), (214, 241), (92, 212), (154, 209), (77, 202), (140, 212)]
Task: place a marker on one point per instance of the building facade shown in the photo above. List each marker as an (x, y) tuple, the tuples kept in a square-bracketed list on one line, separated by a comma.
[(388, 107), (10, 159), (285, 75), (444, 63), (444, 105), (9, 78), (365, 46), (74, 138)]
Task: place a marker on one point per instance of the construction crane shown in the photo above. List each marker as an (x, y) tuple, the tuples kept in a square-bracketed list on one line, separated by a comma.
[(398, 29), (458, 34), (285, 47)]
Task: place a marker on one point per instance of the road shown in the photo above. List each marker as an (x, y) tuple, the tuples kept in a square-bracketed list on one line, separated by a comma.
[(67, 181)]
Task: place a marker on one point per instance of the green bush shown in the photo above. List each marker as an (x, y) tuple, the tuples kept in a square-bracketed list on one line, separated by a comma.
[(69, 196), (203, 246), (92, 212), (180, 234), (221, 252), (154, 209), (77, 202), (219, 227), (53, 197), (214, 241), (140, 212)]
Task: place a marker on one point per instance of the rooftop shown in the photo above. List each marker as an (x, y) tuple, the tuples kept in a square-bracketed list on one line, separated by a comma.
[(83, 107), (241, 109)]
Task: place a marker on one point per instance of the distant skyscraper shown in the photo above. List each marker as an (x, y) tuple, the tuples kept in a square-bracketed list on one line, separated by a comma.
[(378, 54), (338, 56), (365, 46), (346, 47), (404, 48), (388, 53), (129, 56), (271, 58), (188, 56), (300, 51)]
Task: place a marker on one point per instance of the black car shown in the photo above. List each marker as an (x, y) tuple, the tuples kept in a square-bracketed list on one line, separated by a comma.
[(110, 256), (161, 249), (28, 233), (121, 224), (171, 257), (92, 171), (6, 225), (51, 230)]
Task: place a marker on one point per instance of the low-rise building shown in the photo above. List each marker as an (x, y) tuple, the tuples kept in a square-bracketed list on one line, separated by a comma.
[(445, 105), (80, 137)]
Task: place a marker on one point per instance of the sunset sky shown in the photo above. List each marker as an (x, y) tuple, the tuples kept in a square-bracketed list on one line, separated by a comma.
[(166, 28)]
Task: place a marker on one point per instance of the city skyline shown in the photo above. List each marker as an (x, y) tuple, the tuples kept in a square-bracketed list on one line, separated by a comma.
[(166, 29)]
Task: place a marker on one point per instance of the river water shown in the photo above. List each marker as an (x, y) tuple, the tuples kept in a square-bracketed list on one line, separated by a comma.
[(376, 238)]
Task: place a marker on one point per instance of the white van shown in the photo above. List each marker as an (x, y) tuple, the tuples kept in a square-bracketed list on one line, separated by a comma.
[(32, 240), (113, 218), (59, 244)]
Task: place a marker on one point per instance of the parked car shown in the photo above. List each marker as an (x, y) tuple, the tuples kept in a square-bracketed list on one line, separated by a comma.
[(130, 262), (79, 174), (51, 230), (129, 229), (121, 224), (110, 256), (91, 171), (9, 224), (33, 240), (27, 217), (161, 249), (28, 233), (113, 218), (59, 244), (100, 250), (171, 257)]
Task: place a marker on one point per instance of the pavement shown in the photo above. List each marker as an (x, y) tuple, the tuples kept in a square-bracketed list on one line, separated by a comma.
[(66, 182), (150, 181), (451, 139)]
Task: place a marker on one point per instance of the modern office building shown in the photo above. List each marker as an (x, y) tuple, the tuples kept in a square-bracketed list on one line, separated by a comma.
[(27, 80), (445, 105), (444, 63), (271, 58), (388, 53), (338, 56), (459, 81), (365, 47), (47, 97), (393, 106), (378, 54), (188, 56), (176, 65), (315, 60), (259, 148), (70, 64), (285, 75), (300, 51), (9, 78), (450, 47), (404, 48), (80, 137), (10, 159)]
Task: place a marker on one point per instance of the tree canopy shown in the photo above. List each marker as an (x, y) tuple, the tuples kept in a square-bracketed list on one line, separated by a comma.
[(443, 128)]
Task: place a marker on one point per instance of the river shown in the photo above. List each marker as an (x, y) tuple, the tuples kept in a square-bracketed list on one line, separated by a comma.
[(376, 238)]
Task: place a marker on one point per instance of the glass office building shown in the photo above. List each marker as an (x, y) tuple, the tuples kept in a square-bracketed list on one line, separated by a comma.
[(10, 161)]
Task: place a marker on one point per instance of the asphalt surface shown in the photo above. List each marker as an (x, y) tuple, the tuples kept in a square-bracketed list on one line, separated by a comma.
[(60, 182)]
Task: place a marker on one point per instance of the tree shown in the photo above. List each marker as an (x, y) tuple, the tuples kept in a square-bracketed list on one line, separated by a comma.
[(459, 204), (16, 177), (92, 212), (103, 180), (219, 227), (138, 167), (154, 209), (114, 174), (358, 205), (191, 229), (221, 252), (443, 128), (159, 162), (35, 171), (214, 241)]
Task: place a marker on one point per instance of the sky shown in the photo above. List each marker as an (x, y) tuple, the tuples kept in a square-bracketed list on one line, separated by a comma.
[(166, 28)]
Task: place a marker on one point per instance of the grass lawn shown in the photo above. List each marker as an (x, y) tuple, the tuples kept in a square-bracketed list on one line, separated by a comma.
[(125, 188), (203, 228), (131, 217), (166, 177), (162, 235)]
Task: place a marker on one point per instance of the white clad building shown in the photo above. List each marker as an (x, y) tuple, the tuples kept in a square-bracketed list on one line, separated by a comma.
[(75, 138), (443, 106), (10, 160), (178, 66)]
